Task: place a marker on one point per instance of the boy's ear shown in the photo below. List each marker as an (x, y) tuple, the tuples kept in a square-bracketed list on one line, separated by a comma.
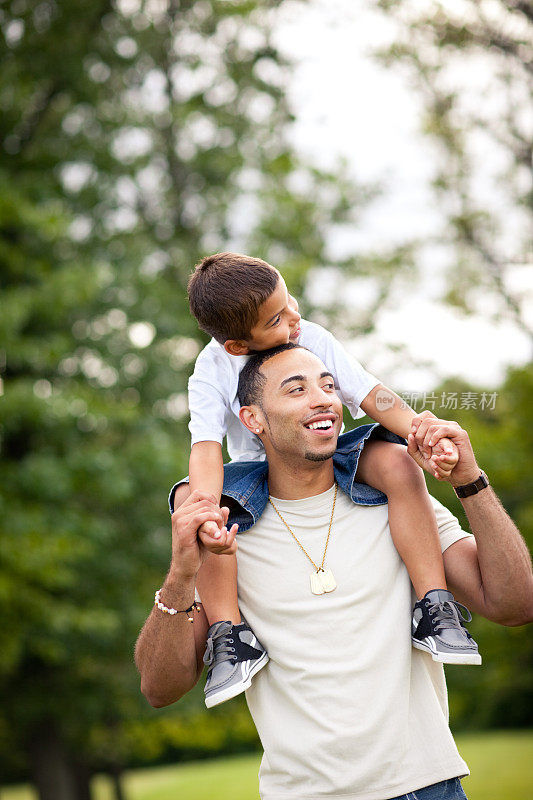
[(236, 347), (249, 416)]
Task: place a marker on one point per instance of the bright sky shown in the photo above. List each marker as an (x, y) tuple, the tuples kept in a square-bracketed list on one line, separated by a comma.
[(346, 104)]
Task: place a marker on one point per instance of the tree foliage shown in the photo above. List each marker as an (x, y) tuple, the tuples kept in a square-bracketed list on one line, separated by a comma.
[(136, 137), (472, 64)]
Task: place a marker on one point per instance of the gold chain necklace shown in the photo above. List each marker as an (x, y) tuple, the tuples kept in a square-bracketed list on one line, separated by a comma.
[(322, 580)]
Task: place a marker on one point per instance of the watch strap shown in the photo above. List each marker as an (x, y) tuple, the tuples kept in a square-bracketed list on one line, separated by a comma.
[(472, 488)]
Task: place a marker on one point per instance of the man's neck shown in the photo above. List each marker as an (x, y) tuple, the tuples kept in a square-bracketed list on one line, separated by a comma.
[(290, 481)]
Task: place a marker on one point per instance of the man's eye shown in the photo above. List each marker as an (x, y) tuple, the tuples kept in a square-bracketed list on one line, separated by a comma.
[(330, 385), (296, 389)]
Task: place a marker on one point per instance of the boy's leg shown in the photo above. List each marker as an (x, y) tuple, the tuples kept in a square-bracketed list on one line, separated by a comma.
[(233, 653), (389, 468), (437, 623), (217, 585)]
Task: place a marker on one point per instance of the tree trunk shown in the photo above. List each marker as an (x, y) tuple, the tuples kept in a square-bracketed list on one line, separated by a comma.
[(82, 780), (55, 775), (116, 775), (51, 773)]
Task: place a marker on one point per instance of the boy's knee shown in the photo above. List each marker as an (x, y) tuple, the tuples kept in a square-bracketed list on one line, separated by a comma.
[(403, 469), (181, 494), (396, 468)]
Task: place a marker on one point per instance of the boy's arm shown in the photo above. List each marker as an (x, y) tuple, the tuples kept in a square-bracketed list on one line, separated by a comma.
[(359, 391), (206, 474), (386, 407), (206, 468), (209, 405)]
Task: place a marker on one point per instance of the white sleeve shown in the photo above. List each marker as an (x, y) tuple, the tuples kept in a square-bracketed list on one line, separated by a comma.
[(208, 406), (449, 529), (352, 381)]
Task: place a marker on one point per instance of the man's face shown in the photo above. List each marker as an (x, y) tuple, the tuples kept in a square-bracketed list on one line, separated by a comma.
[(278, 320), (301, 412)]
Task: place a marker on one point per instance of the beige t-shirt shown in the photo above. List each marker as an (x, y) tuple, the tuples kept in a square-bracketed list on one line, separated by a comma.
[(346, 708)]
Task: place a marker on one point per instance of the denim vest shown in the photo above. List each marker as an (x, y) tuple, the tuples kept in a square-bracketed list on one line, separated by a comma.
[(246, 481)]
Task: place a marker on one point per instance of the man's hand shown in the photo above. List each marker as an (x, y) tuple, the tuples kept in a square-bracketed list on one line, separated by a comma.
[(427, 431), (187, 552), (217, 538)]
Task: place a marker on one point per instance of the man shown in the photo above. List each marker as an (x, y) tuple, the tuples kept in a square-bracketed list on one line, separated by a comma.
[(345, 708)]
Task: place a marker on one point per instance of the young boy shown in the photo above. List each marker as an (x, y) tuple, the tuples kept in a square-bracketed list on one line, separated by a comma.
[(244, 304)]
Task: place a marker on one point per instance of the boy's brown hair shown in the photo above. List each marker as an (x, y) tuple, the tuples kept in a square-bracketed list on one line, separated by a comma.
[(225, 292)]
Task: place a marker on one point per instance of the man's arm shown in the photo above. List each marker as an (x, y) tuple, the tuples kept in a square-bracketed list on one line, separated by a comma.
[(168, 653), (492, 575), (169, 650)]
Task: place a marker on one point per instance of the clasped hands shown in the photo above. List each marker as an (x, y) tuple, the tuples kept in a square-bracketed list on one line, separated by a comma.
[(429, 446), (214, 534), (190, 543)]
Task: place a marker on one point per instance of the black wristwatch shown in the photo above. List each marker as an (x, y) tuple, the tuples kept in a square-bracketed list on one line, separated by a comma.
[(472, 488)]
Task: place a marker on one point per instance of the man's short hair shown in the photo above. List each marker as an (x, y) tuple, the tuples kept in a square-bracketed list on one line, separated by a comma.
[(252, 380), (225, 292)]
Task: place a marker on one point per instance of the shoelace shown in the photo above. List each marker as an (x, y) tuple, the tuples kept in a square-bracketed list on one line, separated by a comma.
[(219, 644), (448, 612)]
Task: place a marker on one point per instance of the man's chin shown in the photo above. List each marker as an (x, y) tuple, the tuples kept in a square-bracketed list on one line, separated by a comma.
[(310, 456)]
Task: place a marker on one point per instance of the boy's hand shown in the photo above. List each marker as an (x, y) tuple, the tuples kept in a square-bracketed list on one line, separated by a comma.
[(443, 460), (430, 447), (428, 430), (187, 553), (218, 539)]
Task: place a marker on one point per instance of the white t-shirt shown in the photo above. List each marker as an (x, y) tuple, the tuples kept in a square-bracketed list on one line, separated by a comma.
[(214, 405), (346, 708)]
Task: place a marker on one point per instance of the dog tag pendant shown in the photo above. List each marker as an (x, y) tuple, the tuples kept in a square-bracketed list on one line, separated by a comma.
[(316, 583), (328, 581), (322, 581)]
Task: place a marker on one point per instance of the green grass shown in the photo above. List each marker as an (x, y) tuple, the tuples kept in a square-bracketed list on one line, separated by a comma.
[(501, 766)]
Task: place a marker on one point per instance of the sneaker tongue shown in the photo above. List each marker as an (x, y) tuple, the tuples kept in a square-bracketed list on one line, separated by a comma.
[(219, 628), (439, 596)]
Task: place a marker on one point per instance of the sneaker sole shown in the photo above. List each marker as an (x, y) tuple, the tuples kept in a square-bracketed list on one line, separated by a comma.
[(447, 658), (236, 688)]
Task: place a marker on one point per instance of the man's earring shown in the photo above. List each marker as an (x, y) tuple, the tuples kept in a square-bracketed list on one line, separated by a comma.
[(257, 430)]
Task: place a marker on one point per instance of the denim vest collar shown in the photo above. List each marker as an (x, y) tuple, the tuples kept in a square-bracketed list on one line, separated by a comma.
[(246, 482)]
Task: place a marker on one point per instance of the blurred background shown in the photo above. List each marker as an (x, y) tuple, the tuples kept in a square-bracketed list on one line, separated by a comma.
[(380, 155)]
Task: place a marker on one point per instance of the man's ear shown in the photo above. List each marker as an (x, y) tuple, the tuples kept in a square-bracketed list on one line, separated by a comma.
[(236, 347), (250, 416)]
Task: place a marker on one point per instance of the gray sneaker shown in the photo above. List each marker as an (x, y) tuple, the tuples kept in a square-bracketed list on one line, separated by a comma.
[(438, 627), (233, 655)]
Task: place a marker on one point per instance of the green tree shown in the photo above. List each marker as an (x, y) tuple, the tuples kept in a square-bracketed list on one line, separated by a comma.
[(135, 137), (500, 694), (471, 63)]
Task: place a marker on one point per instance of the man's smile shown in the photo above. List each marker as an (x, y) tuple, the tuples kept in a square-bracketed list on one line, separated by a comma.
[(321, 424)]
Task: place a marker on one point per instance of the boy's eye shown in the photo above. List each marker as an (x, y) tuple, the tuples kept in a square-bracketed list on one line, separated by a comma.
[(276, 321)]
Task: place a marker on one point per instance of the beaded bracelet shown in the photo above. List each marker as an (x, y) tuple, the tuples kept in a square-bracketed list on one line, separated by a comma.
[(162, 607)]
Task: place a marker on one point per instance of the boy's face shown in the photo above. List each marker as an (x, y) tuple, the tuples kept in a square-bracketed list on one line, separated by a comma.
[(278, 321)]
